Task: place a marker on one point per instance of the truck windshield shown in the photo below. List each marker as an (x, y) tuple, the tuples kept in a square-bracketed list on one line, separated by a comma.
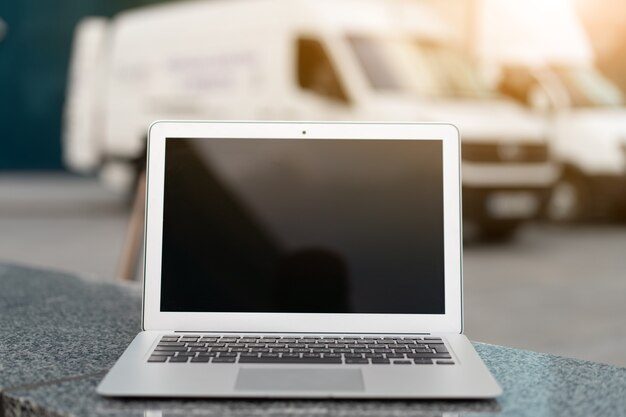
[(588, 88), (417, 67)]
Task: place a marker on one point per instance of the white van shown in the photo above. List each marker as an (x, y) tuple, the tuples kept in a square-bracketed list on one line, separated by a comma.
[(542, 57), (588, 120), (377, 60)]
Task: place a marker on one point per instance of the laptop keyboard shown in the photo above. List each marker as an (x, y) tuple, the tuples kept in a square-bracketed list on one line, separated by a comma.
[(194, 348)]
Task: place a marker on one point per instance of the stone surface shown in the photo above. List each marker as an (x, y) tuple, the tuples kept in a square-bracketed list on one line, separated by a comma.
[(58, 335), (55, 325)]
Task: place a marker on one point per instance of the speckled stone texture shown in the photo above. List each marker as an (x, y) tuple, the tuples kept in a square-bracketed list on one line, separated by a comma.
[(55, 325), (56, 340)]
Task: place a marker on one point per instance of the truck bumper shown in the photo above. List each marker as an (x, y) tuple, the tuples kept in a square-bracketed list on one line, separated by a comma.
[(503, 176), (504, 204)]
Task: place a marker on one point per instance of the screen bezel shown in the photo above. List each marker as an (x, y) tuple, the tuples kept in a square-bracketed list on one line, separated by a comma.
[(155, 319)]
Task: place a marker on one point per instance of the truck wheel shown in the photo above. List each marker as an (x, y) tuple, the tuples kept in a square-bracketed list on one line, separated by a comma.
[(495, 230), (568, 201)]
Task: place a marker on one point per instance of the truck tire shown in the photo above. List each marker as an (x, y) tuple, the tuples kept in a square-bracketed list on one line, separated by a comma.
[(498, 230), (569, 200)]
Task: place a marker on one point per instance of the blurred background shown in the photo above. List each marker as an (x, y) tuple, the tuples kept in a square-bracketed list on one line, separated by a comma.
[(535, 86)]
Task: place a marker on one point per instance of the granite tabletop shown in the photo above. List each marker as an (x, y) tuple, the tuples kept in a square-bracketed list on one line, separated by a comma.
[(60, 333)]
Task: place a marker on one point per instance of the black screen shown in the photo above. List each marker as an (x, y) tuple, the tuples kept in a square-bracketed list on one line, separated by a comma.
[(303, 225)]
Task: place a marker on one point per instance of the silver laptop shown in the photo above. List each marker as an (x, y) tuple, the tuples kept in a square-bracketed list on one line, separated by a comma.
[(302, 260)]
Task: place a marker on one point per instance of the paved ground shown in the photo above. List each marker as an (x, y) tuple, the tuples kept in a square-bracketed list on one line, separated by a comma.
[(61, 222), (554, 289)]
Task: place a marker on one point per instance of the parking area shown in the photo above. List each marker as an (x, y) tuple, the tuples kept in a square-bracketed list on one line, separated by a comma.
[(560, 290), (554, 289)]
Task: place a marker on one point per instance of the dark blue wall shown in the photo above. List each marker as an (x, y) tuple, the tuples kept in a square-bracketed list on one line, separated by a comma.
[(33, 68)]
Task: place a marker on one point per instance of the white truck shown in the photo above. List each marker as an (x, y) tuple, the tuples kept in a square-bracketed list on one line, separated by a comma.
[(539, 53), (378, 60)]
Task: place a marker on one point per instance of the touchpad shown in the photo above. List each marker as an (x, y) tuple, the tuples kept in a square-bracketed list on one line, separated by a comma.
[(273, 379)]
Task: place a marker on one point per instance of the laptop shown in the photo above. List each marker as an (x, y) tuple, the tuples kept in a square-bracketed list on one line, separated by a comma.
[(302, 260)]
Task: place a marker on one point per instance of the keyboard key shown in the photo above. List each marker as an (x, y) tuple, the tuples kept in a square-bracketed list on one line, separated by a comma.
[(357, 361), (163, 353), (224, 360), (180, 359), (179, 344), (191, 354), (157, 358), (290, 356), (403, 362), (429, 355), (380, 361), (171, 349), (239, 349), (223, 349), (353, 355), (445, 362), (423, 362), (201, 359)]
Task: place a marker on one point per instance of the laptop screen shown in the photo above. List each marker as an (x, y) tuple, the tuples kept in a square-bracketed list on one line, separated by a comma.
[(303, 225)]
